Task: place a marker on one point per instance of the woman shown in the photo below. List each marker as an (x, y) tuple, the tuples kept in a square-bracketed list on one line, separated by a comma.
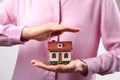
[(95, 18)]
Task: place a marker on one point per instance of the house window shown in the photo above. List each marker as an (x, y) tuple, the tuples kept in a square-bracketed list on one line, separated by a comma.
[(66, 55), (53, 55), (59, 45)]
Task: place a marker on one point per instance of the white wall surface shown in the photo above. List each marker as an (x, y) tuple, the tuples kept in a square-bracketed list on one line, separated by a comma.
[(8, 56)]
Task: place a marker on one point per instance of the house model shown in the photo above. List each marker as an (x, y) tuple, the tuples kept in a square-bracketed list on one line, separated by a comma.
[(60, 52)]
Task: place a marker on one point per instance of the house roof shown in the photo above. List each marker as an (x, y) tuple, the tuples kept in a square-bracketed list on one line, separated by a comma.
[(60, 46)]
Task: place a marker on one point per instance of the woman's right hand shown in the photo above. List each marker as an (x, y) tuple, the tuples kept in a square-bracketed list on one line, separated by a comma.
[(45, 31)]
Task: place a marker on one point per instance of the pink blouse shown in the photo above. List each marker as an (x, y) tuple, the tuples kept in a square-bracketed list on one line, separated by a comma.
[(96, 19)]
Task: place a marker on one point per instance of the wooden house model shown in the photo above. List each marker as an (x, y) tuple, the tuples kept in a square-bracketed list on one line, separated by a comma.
[(60, 52)]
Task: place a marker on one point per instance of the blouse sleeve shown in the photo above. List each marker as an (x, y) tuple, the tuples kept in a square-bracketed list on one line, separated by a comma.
[(10, 33), (110, 33)]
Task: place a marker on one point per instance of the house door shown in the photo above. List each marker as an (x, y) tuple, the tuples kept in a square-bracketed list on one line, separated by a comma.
[(60, 57)]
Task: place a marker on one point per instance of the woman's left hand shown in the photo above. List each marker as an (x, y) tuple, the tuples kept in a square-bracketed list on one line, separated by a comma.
[(73, 66)]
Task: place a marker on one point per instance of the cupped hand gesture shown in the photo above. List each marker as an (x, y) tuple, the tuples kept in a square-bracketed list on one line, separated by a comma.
[(73, 66)]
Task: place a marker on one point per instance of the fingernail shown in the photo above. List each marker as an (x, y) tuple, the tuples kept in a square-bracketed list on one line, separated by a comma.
[(32, 62)]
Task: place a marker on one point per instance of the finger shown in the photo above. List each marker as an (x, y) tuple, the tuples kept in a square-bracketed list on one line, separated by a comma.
[(56, 68), (68, 29), (71, 29), (64, 28), (56, 27), (43, 65)]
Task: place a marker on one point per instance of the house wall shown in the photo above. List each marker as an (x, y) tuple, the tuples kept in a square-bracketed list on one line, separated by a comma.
[(57, 56)]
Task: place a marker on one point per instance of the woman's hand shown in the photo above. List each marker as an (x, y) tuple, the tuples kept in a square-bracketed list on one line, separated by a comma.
[(73, 66), (45, 31)]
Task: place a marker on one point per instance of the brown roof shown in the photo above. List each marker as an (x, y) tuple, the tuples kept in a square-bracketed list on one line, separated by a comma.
[(54, 46)]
